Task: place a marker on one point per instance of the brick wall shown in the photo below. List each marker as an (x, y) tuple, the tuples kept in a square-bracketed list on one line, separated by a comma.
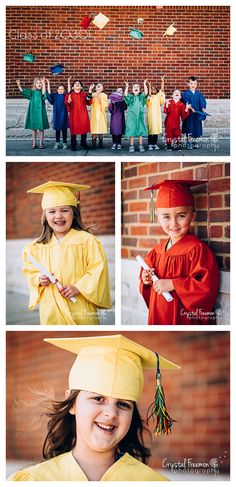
[(24, 210), (200, 47), (212, 205), (197, 395)]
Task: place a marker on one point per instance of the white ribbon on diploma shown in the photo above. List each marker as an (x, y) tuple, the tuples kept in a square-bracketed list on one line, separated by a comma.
[(154, 278), (48, 274)]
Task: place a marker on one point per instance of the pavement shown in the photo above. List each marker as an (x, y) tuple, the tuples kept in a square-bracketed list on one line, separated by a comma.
[(17, 312), (207, 147)]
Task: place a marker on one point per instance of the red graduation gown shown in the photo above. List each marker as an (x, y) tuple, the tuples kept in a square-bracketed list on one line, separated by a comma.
[(78, 113), (195, 274), (174, 113)]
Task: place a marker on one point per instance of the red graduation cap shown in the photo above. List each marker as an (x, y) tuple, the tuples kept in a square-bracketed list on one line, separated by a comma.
[(86, 21), (173, 193)]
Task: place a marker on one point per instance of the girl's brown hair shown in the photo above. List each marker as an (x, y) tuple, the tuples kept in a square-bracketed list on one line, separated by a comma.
[(47, 231), (61, 435)]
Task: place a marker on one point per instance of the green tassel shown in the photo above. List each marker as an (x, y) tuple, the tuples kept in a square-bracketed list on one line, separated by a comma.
[(152, 207), (157, 410)]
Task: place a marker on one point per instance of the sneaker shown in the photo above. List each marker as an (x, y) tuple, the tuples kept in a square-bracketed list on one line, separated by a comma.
[(131, 148), (64, 147), (41, 146), (190, 146), (150, 147), (100, 144), (56, 146), (113, 147), (141, 148), (155, 147), (168, 148), (119, 147)]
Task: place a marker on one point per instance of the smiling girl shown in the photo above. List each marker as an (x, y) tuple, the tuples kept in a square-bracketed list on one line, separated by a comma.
[(96, 433), (67, 250), (186, 266)]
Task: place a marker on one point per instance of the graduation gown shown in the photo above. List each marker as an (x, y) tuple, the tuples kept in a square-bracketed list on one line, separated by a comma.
[(64, 467), (135, 125), (78, 113), (117, 123), (154, 118), (192, 125), (79, 260), (36, 117), (98, 119), (194, 271), (174, 113), (60, 113)]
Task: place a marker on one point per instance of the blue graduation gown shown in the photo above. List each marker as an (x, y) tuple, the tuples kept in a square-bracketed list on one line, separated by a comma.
[(192, 125), (60, 113)]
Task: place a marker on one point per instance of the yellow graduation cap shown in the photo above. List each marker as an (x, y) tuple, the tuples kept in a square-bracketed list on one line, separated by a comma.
[(57, 193), (111, 366), (100, 20), (170, 31)]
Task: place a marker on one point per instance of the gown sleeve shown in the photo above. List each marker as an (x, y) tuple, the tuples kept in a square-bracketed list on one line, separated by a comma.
[(50, 97), (202, 101), (111, 107), (104, 101), (145, 289), (185, 97), (21, 476), (184, 114), (143, 98), (200, 289), (162, 97), (68, 105), (128, 99), (32, 277), (26, 93), (94, 284)]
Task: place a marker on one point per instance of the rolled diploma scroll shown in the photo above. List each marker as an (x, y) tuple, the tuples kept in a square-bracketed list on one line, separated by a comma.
[(48, 274), (143, 264)]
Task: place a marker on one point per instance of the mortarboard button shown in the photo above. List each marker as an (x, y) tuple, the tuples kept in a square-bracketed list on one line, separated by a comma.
[(57, 69), (100, 20), (135, 33), (170, 31), (29, 57)]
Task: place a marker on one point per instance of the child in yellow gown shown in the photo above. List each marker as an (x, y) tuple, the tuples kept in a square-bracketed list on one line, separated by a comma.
[(98, 120)]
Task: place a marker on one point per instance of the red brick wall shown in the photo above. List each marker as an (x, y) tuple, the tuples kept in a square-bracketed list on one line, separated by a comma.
[(200, 47), (197, 396), (212, 205), (24, 210)]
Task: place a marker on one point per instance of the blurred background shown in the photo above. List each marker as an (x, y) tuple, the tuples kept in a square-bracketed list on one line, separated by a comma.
[(24, 216), (197, 397)]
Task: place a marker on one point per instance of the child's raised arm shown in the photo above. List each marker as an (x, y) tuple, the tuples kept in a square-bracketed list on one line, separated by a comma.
[(43, 81), (69, 84), (91, 88), (145, 86), (19, 85), (48, 86), (126, 88), (162, 83)]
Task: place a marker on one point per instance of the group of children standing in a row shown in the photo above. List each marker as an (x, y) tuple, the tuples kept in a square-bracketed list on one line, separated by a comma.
[(70, 111)]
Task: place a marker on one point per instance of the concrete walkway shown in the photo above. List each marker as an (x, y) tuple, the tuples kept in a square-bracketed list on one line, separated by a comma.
[(17, 312), (207, 147)]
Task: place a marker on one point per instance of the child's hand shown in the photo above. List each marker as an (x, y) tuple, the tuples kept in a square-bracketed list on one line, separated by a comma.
[(69, 291), (126, 84), (167, 103), (43, 80), (163, 285), (44, 280), (163, 78), (69, 99), (146, 81), (18, 82), (203, 110), (91, 87), (147, 277), (70, 77), (188, 106)]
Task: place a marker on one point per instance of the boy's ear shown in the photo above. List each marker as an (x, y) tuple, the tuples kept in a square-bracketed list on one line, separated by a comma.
[(72, 409)]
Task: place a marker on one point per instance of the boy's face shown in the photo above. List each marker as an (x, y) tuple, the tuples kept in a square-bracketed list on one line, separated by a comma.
[(175, 222), (176, 95), (60, 90), (192, 84), (77, 87), (136, 89)]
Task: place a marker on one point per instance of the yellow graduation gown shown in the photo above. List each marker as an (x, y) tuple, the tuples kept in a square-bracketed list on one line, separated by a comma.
[(64, 467), (78, 259), (98, 119), (154, 119)]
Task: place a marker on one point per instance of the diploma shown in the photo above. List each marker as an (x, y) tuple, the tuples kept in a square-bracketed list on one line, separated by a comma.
[(154, 278), (48, 274)]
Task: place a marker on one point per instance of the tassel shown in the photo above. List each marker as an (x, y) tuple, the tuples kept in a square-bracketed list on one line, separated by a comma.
[(152, 208), (157, 410)]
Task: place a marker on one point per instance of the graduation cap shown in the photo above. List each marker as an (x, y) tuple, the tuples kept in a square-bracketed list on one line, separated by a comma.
[(140, 20), (57, 69), (100, 20), (135, 33), (201, 115), (86, 21), (29, 57), (172, 193), (170, 31), (113, 366), (57, 193), (116, 96)]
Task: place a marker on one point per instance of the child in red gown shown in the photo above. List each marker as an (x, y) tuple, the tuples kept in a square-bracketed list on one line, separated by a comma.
[(185, 266), (175, 111)]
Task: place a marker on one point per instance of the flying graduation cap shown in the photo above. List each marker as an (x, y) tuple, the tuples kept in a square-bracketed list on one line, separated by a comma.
[(135, 33), (29, 57), (170, 31), (100, 20), (57, 69)]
